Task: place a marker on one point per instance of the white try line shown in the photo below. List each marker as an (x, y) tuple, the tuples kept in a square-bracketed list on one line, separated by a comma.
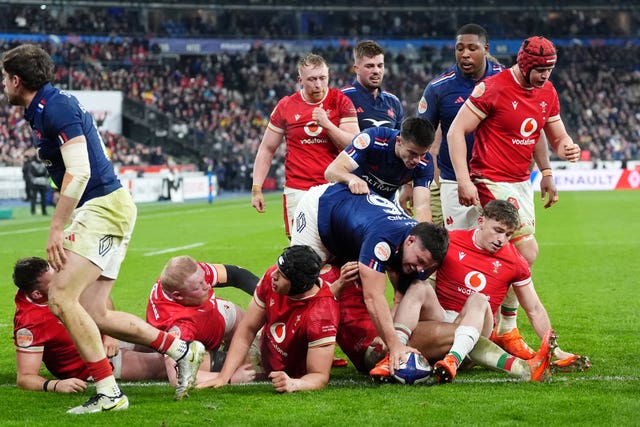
[(23, 231), (366, 382), (176, 249)]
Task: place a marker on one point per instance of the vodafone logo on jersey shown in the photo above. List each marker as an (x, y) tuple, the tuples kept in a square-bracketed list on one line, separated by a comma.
[(475, 281), (361, 141), (312, 128), (382, 251), (278, 332), (528, 127)]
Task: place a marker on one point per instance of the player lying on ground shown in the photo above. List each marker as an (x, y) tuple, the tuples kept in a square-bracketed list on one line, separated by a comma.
[(471, 283)]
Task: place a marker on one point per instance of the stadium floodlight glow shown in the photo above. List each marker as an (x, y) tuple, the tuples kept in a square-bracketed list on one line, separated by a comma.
[(43, 6)]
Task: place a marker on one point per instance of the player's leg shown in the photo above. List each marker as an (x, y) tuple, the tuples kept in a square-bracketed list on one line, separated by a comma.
[(128, 327), (436, 203), (419, 302), (356, 330), (520, 194), (131, 365), (290, 199), (305, 223), (65, 290), (454, 215), (474, 319), (433, 338), (489, 355)]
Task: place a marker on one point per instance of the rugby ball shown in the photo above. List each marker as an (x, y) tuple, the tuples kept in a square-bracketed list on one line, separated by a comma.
[(414, 369)]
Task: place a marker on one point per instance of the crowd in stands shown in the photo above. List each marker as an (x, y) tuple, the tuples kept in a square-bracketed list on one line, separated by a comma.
[(423, 19), (222, 102)]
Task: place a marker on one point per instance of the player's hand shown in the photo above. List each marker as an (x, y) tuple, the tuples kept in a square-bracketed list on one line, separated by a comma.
[(398, 356), (377, 341), (111, 345), (216, 382), (257, 201), (350, 271), (244, 374), (570, 152), (358, 186), (70, 385), (282, 382), (467, 193), (319, 115), (55, 249), (548, 187)]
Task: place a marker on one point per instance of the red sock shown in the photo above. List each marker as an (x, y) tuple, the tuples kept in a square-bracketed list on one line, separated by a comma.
[(100, 370), (162, 342)]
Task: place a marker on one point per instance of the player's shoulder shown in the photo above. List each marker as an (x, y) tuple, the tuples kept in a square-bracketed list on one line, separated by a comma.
[(348, 89), (495, 68), (285, 100), (390, 96), (446, 77)]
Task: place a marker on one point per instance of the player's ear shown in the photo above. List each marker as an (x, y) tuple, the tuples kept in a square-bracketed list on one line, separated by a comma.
[(36, 294), (176, 296)]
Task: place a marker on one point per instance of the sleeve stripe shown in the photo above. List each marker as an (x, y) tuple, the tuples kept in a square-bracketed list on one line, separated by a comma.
[(323, 341)]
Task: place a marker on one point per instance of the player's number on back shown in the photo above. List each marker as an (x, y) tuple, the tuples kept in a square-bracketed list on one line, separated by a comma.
[(389, 207)]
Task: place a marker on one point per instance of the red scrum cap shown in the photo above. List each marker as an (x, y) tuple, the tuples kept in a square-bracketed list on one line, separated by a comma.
[(535, 52)]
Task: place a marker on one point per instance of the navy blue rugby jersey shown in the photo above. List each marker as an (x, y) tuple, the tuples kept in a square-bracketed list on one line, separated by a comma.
[(440, 102), (383, 110), (56, 117), (374, 152)]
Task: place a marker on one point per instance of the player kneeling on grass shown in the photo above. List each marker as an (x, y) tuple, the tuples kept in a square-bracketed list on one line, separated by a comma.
[(298, 315), (40, 337), (183, 303), (471, 283)]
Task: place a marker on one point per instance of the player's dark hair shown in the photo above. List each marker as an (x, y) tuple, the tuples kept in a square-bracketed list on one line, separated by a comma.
[(474, 29), (301, 265), (418, 131), (27, 271), (504, 212), (434, 238), (31, 63), (367, 48)]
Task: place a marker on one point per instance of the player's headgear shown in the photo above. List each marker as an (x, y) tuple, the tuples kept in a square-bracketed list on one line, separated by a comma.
[(301, 265), (536, 52)]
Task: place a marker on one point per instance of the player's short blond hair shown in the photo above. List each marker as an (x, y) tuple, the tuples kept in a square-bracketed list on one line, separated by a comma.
[(311, 60), (176, 271)]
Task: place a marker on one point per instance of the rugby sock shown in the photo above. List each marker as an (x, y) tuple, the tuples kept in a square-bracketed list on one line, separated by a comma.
[(163, 342), (102, 374), (178, 349), (465, 338), (402, 332), (508, 313), (487, 354)]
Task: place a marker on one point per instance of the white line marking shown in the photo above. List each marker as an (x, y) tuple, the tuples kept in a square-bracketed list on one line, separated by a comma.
[(176, 249), (25, 230), (360, 380)]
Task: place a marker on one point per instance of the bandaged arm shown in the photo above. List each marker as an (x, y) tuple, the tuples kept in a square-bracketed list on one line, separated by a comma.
[(76, 162)]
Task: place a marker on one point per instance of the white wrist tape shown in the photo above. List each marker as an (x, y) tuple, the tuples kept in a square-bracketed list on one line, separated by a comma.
[(76, 161)]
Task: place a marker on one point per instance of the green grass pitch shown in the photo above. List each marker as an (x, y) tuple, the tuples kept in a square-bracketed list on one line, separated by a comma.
[(587, 275)]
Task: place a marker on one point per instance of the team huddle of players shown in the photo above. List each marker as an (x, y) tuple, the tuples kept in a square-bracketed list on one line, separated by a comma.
[(362, 186)]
